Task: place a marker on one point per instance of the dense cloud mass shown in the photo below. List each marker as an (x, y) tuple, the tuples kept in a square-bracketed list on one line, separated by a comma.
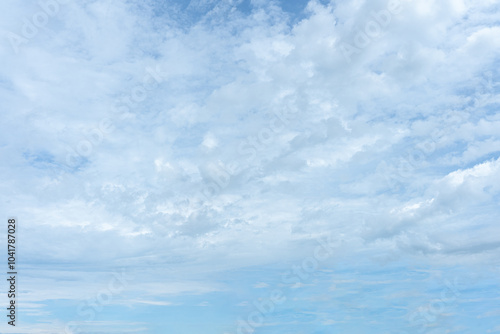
[(230, 166)]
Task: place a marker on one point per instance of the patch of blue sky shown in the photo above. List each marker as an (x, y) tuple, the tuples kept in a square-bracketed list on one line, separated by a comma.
[(46, 161), (41, 160)]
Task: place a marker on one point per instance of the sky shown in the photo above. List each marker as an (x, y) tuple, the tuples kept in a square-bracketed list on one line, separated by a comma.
[(252, 166)]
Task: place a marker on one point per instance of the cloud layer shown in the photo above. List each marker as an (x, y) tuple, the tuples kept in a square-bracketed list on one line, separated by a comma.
[(204, 147)]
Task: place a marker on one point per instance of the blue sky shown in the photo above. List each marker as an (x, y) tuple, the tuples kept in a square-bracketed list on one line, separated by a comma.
[(253, 166)]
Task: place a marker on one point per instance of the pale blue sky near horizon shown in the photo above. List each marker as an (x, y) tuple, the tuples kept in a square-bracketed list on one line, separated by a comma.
[(175, 166)]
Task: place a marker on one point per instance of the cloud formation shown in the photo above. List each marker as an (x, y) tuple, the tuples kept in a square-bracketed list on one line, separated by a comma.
[(204, 147)]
